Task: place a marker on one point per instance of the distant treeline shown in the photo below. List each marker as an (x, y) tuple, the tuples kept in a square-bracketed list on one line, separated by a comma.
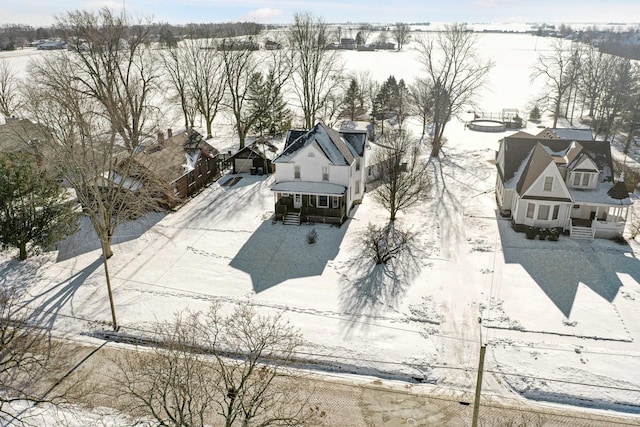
[(15, 36)]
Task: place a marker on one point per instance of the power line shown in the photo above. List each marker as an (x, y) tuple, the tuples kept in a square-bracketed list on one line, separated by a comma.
[(344, 357)]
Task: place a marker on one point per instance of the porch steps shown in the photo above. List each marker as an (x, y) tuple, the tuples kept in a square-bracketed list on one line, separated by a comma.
[(581, 233), (292, 218)]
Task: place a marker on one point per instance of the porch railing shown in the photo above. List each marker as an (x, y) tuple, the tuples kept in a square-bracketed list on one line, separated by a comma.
[(312, 214)]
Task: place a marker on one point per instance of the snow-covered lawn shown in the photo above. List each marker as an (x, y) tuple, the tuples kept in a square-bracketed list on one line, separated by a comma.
[(555, 315)]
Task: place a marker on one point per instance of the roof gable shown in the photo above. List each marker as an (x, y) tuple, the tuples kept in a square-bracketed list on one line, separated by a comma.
[(584, 164), (515, 151), (336, 149), (538, 162)]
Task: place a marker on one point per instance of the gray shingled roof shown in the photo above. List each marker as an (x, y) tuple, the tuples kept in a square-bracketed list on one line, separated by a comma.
[(538, 162), (336, 148), (566, 133), (516, 150), (167, 159)]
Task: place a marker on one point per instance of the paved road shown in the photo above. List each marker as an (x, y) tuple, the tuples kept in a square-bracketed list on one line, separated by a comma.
[(367, 402)]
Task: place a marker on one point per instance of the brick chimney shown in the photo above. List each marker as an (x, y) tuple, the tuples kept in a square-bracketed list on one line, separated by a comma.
[(161, 138), (169, 133)]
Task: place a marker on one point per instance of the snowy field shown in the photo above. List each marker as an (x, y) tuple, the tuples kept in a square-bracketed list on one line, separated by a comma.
[(561, 319)]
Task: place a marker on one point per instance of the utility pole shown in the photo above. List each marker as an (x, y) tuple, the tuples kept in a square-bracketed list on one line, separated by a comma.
[(476, 402)]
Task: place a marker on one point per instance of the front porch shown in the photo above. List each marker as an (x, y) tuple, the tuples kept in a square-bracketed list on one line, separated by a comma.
[(310, 214), (603, 222), (315, 202)]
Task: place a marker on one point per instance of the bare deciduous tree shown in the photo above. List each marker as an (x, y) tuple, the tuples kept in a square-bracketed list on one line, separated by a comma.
[(9, 89), (594, 70), (421, 102), (399, 172), (317, 72), (454, 71), (211, 368), (30, 360), (364, 31), (383, 244), (206, 80), (88, 152), (401, 34), (117, 69), (560, 71), (177, 71), (240, 66)]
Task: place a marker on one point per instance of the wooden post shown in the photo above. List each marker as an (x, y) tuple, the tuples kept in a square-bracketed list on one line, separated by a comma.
[(476, 403)]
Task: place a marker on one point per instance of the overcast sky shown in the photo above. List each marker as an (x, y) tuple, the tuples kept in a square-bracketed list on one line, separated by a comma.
[(42, 12)]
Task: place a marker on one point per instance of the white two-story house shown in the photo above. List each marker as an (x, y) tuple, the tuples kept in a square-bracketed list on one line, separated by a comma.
[(547, 181), (319, 176)]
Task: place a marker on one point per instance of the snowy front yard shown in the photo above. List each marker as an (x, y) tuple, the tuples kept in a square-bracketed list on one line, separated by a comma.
[(551, 311), (561, 319)]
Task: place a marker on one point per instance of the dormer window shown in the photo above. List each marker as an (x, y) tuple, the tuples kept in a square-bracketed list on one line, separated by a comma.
[(296, 172), (581, 179), (548, 183)]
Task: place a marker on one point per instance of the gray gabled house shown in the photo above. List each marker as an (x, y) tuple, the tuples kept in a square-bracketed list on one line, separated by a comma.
[(548, 181)]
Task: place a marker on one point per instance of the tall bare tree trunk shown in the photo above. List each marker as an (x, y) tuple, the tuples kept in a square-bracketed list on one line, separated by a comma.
[(106, 249)]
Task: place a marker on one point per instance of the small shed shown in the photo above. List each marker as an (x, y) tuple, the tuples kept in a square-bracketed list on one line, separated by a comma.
[(255, 158)]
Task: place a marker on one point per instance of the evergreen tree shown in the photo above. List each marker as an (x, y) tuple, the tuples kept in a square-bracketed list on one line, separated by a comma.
[(391, 100), (273, 116), (535, 113), (32, 206), (353, 101)]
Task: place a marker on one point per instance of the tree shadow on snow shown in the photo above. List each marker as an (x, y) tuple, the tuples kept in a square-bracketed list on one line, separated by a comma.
[(558, 268), (370, 290), (84, 240), (48, 303), (448, 210), (21, 274), (225, 202), (276, 252)]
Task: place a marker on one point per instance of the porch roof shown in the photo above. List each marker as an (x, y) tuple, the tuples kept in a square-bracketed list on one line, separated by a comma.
[(598, 197), (308, 187)]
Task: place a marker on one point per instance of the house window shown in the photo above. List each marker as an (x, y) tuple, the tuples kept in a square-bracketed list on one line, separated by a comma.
[(548, 183), (543, 212), (296, 172), (576, 179), (325, 173), (297, 196), (556, 210), (581, 179), (357, 187), (323, 201), (358, 164), (530, 210), (335, 202)]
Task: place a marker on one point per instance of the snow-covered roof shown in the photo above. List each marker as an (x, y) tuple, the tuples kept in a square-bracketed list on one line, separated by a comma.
[(517, 149), (308, 187), (602, 195), (335, 147)]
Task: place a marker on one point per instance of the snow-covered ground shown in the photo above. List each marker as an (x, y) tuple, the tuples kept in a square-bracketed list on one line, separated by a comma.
[(561, 319)]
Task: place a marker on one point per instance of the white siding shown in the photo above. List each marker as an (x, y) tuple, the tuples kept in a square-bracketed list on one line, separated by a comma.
[(559, 189)]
